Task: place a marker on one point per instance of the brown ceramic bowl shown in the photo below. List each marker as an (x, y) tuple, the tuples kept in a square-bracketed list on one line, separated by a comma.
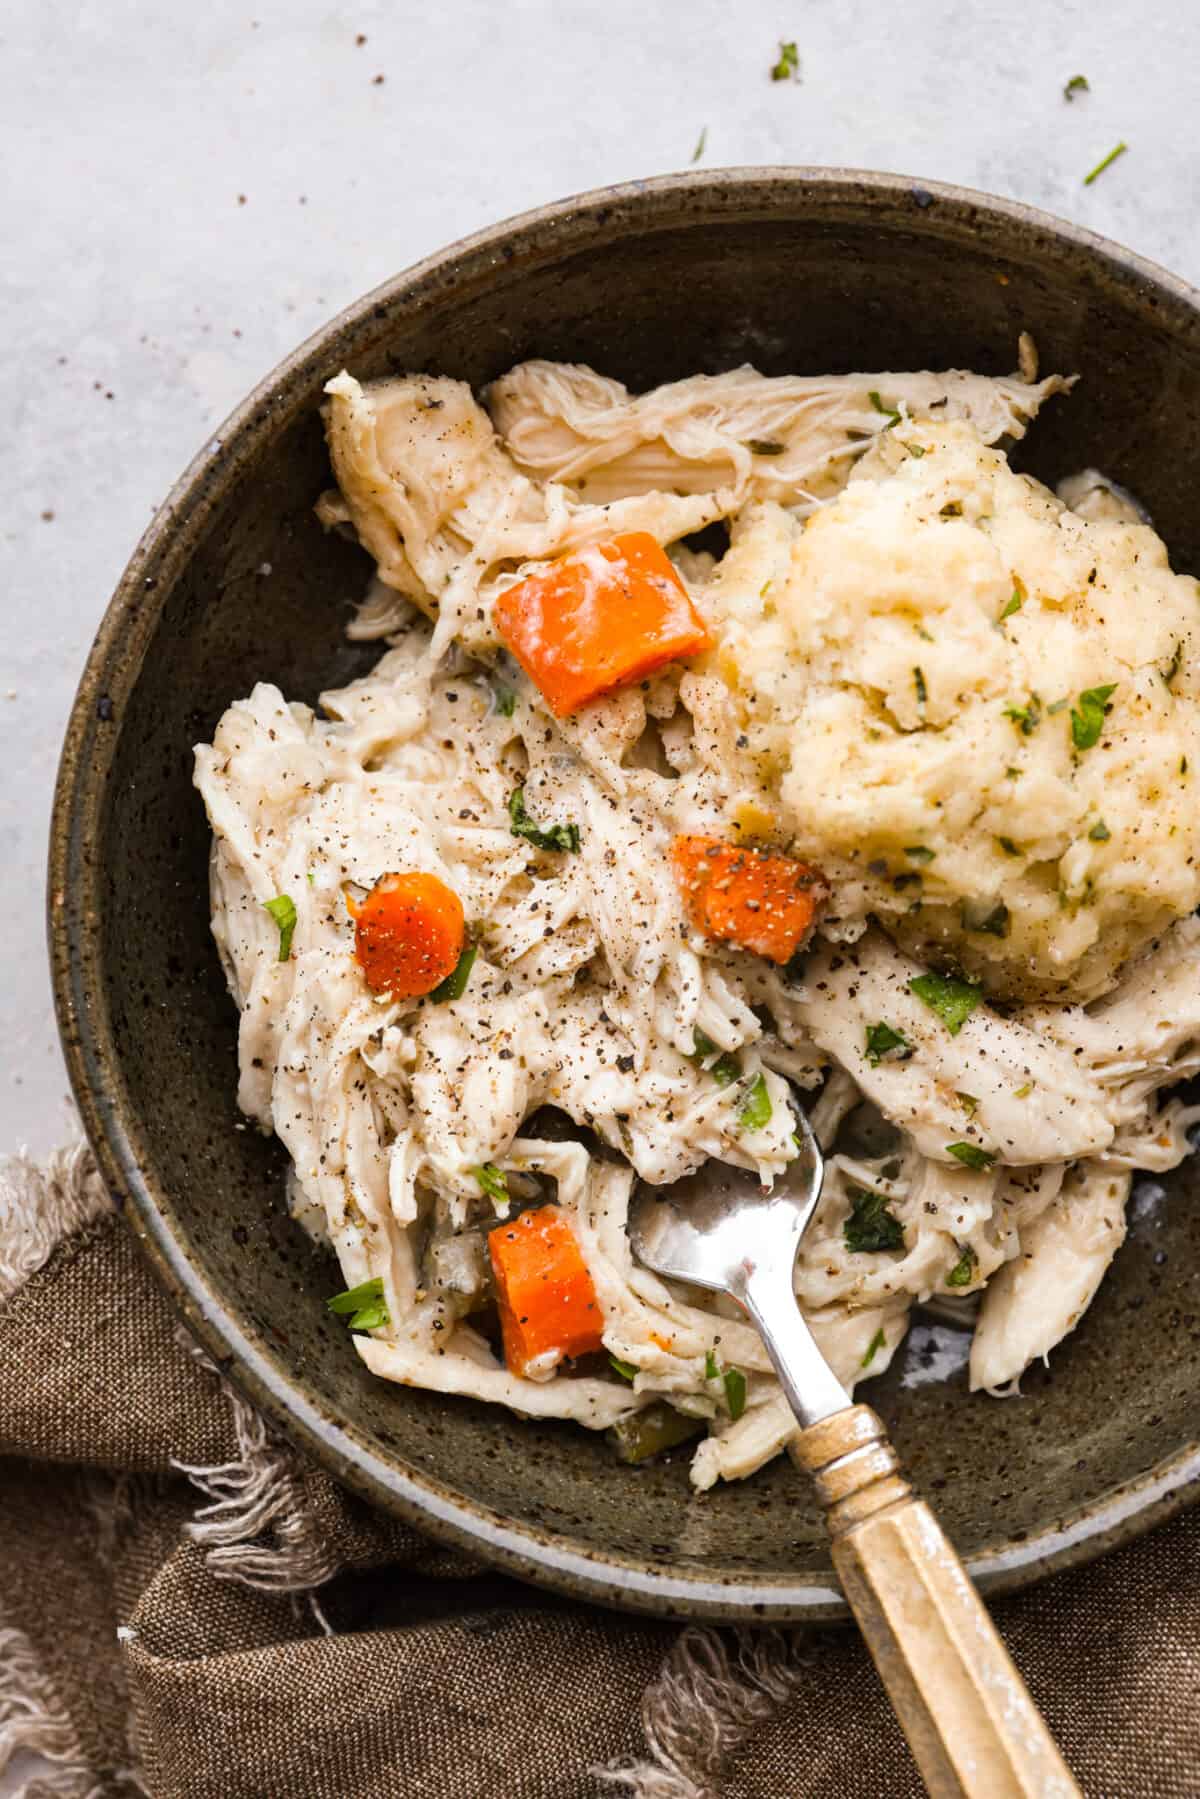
[(794, 270)]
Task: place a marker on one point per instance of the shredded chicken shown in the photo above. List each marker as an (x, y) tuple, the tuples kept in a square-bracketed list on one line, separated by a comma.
[(992, 1150)]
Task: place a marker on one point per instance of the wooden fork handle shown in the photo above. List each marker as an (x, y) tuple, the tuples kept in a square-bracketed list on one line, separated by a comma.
[(970, 1722)]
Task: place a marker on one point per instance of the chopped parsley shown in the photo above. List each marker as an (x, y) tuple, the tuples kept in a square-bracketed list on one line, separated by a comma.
[(1078, 84), (556, 837), (963, 1271), (733, 1380), (919, 684), (765, 446), (888, 412), (1087, 720), (1105, 162), (1099, 832), (918, 853), (494, 1182), (1176, 659), (626, 1370), (755, 1110), (1017, 600), (455, 983), (869, 1225), (283, 910), (1024, 1092), (504, 698), (788, 66), (993, 922), (953, 1001), (698, 152), (735, 1391), (881, 1040), (873, 1347), (364, 1304), (970, 1155), (726, 1069), (1026, 718), (1008, 846), (968, 1102), (1058, 705), (915, 450)]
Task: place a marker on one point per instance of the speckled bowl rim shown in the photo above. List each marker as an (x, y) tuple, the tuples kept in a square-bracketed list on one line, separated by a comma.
[(93, 1059)]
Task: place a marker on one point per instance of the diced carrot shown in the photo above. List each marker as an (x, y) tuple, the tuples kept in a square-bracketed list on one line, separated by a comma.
[(761, 900), (545, 1294), (408, 934), (599, 618)]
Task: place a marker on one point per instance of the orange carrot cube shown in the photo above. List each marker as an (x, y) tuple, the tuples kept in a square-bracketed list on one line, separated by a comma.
[(599, 618), (545, 1294), (760, 900)]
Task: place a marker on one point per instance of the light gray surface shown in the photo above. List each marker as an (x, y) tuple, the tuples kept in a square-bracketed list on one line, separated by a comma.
[(143, 296)]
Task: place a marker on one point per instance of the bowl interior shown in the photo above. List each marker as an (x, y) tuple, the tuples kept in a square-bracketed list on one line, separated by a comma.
[(237, 583)]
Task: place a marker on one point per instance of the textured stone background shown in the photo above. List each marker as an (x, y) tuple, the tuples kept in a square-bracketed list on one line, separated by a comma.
[(191, 191)]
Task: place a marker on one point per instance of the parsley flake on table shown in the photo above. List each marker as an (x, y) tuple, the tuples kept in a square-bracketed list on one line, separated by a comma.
[(787, 68), (1105, 162), (698, 152)]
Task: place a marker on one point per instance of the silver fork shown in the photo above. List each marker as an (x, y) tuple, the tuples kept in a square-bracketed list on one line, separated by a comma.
[(974, 1730)]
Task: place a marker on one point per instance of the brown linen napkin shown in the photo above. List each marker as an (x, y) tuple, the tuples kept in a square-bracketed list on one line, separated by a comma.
[(269, 1636)]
